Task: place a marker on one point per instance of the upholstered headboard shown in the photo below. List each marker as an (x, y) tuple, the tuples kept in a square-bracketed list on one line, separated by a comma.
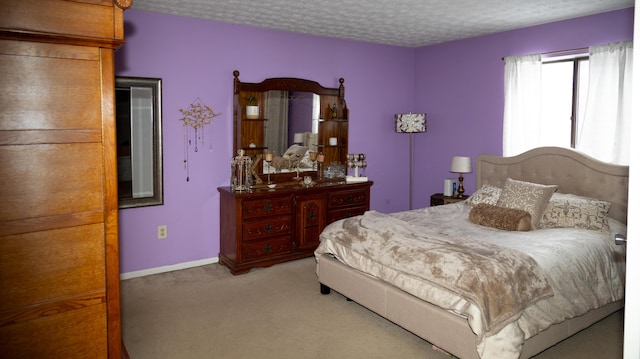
[(573, 172)]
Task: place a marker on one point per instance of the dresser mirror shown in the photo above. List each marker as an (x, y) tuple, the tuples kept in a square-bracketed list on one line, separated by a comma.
[(295, 121)]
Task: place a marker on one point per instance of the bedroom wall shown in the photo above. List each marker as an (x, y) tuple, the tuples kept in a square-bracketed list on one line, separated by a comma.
[(458, 84), (196, 59)]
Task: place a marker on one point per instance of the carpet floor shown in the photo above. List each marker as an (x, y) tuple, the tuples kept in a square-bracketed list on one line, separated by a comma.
[(278, 312)]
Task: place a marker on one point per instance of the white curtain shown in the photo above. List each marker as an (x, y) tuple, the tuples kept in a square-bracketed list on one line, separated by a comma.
[(604, 130), (522, 87), (277, 113)]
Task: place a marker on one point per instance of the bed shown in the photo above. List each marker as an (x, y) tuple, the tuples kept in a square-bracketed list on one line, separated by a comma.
[(538, 292)]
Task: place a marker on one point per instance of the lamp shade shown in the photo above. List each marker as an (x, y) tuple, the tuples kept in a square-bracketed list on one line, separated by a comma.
[(460, 164), (298, 138), (411, 122)]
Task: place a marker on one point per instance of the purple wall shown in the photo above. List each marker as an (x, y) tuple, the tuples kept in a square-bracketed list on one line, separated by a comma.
[(196, 59), (458, 84)]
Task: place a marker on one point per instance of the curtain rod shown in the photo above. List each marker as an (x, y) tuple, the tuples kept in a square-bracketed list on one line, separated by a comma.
[(563, 51)]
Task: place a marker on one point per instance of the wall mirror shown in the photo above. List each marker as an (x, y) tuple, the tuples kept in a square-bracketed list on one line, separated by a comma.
[(294, 120), (139, 141)]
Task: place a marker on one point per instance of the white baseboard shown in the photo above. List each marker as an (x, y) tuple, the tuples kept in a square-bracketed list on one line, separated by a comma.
[(170, 268)]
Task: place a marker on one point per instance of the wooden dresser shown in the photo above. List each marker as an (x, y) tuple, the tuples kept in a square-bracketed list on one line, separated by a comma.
[(59, 271), (269, 226)]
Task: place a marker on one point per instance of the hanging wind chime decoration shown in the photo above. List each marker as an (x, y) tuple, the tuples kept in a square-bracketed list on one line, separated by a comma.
[(196, 116)]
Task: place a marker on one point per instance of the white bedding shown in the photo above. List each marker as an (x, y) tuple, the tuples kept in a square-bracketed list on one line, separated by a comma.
[(584, 268)]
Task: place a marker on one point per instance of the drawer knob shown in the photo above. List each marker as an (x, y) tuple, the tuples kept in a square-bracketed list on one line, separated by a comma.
[(348, 198), (268, 228), (268, 207), (312, 215), (268, 248)]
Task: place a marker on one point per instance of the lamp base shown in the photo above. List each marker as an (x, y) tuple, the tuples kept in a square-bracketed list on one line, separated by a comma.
[(460, 187)]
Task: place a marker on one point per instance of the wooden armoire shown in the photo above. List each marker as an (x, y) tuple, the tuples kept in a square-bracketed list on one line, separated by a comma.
[(59, 259)]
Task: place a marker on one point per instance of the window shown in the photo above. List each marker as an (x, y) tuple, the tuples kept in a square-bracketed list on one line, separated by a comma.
[(581, 102), (564, 93)]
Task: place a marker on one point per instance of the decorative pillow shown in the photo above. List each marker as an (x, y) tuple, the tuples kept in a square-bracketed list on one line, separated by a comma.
[(306, 162), (531, 197), (508, 219), (295, 151), (279, 163), (486, 194), (294, 154), (572, 211)]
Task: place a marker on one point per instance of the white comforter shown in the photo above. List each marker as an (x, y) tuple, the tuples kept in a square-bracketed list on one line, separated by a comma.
[(584, 268)]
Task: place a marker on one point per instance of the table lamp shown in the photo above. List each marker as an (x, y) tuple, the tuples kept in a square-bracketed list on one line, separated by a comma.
[(460, 165)]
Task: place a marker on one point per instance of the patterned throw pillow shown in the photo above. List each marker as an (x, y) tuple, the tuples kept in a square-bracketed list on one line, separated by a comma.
[(486, 194), (531, 197), (508, 219), (572, 211)]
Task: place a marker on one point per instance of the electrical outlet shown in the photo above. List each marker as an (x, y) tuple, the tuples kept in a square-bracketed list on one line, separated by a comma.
[(162, 231)]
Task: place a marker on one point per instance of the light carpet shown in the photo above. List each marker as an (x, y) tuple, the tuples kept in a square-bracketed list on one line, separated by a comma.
[(278, 312)]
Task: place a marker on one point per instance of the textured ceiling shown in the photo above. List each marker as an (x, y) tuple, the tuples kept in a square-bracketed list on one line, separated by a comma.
[(408, 23)]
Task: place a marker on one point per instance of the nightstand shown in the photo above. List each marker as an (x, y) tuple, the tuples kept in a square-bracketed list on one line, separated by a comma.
[(439, 199)]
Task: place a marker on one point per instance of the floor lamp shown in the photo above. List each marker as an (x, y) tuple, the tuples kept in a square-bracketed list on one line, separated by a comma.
[(411, 123)]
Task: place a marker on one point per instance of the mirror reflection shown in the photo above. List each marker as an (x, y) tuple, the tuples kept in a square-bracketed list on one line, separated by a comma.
[(139, 141), (291, 130)]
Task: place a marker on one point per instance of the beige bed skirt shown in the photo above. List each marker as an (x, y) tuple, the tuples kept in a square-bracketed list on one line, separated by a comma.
[(440, 327)]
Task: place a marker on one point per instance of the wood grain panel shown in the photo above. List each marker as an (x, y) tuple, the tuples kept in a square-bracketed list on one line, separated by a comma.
[(55, 97), (19, 315), (338, 129), (252, 133), (48, 136), (111, 237), (37, 49), (46, 180), (46, 266), (80, 18), (38, 224), (58, 336)]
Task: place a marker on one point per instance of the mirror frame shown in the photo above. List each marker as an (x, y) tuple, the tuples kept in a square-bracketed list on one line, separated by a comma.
[(155, 84), (281, 84)]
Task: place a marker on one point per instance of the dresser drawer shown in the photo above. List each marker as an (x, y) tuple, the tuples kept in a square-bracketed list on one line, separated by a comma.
[(266, 248), (342, 213), (267, 207), (269, 227), (349, 198)]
